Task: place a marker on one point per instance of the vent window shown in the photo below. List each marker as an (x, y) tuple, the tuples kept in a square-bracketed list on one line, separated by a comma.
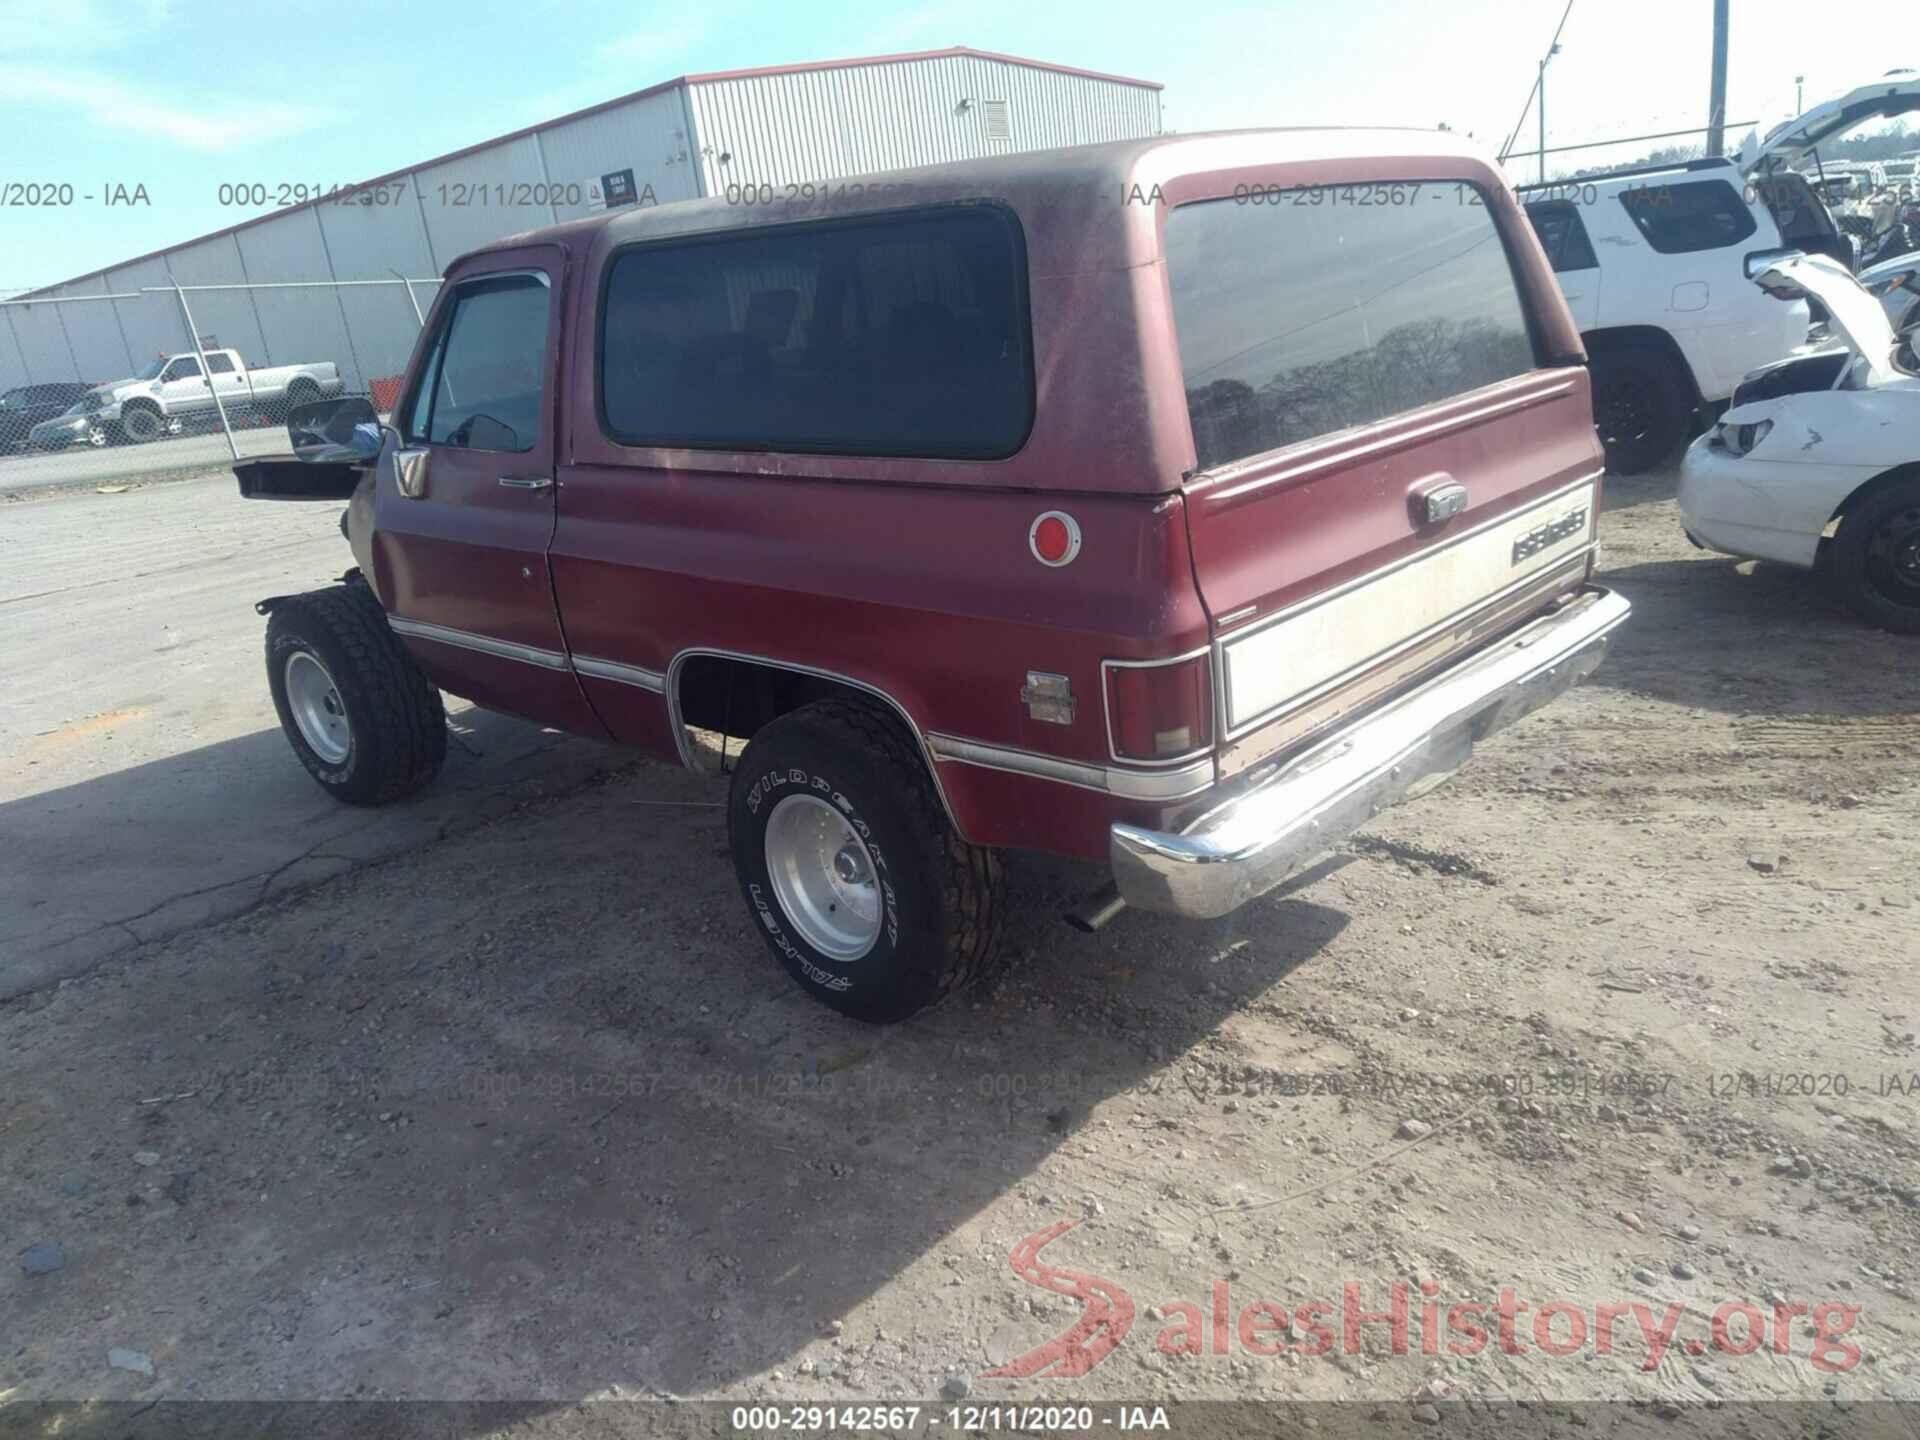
[(994, 121)]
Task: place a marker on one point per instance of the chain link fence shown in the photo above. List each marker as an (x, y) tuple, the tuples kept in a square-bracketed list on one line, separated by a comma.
[(115, 388)]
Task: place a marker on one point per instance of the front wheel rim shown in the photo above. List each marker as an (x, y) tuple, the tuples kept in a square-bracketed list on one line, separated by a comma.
[(824, 877), (318, 712), (1893, 557), (1626, 412)]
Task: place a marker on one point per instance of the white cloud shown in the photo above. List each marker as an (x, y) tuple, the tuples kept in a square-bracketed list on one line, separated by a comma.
[(195, 125)]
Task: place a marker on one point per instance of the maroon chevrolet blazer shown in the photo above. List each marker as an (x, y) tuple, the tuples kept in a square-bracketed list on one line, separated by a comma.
[(1175, 504)]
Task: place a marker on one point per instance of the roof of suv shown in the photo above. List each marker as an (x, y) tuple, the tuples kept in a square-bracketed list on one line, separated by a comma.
[(1032, 181), (1633, 173)]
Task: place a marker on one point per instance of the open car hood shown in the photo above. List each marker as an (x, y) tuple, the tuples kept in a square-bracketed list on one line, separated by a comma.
[(1857, 316), (1895, 93)]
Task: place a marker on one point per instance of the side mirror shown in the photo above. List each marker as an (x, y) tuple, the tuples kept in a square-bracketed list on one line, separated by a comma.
[(344, 429)]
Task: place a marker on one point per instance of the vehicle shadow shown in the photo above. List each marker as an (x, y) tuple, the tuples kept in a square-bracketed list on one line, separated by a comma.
[(1754, 640), (140, 852), (1625, 492), (532, 1114)]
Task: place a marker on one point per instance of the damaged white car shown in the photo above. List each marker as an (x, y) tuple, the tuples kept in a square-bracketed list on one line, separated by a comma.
[(1817, 461)]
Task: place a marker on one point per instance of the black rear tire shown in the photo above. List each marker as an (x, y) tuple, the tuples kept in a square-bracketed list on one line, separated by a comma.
[(395, 723), (1641, 401), (938, 898), (1873, 561)]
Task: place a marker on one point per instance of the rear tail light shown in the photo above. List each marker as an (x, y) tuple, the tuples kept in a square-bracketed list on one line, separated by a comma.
[(1159, 711)]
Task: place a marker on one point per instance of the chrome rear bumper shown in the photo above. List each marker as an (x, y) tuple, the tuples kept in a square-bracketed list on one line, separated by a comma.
[(1252, 841)]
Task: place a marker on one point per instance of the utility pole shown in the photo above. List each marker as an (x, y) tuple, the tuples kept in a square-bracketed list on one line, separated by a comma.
[(1540, 90), (1799, 84), (1717, 90)]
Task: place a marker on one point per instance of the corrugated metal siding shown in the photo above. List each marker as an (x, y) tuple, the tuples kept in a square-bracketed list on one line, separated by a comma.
[(93, 332), (372, 242), (228, 316), (481, 197), (300, 325), (782, 130), (648, 137), (796, 127), (42, 343), (152, 324)]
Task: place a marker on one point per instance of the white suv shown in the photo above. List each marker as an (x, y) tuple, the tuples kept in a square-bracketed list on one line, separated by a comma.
[(1653, 264)]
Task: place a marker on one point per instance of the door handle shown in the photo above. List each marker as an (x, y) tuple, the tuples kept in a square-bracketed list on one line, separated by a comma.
[(526, 482)]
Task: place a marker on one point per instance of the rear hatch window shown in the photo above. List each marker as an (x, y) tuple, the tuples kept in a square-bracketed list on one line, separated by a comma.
[(1301, 312), (1341, 544)]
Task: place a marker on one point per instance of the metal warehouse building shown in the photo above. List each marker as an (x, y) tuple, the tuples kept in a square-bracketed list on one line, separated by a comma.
[(700, 135)]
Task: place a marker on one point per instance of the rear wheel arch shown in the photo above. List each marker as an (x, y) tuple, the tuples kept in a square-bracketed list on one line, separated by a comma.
[(1621, 337), (739, 695)]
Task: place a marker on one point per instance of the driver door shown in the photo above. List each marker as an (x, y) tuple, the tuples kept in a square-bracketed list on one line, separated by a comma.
[(464, 509), (182, 388)]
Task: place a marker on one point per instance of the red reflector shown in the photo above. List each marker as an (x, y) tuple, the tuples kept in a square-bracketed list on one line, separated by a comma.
[(1050, 538), (1155, 712), (1054, 538)]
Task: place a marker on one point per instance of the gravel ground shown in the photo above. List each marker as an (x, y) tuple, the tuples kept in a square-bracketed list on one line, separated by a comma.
[(528, 1113)]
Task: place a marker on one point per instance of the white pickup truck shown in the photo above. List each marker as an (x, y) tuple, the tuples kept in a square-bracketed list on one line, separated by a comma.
[(172, 393)]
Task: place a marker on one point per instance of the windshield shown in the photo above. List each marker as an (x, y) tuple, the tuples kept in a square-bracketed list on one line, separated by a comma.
[(13, 400), (154, 367)]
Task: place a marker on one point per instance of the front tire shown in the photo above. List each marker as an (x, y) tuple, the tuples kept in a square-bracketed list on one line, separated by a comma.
[(1874, 561), (141, 423), (864, 892), (360, 714), (1641, 401)]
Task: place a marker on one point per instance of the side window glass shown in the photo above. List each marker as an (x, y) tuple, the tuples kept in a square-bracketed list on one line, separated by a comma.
[(485, 383), (1697, 215), (1563, 235), (219, 365), (185, 368)]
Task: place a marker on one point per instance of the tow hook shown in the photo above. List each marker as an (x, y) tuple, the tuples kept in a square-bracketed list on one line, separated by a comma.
[(267, 606)]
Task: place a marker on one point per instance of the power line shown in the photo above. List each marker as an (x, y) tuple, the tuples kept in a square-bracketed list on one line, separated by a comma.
[(1507, 149)]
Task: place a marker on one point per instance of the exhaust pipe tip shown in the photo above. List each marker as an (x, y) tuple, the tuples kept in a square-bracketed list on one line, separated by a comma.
[(1097, 911)]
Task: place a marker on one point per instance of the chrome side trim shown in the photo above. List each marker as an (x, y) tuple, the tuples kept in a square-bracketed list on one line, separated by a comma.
[(685, 746), (483, 644), (635, 675), (1161, 785)]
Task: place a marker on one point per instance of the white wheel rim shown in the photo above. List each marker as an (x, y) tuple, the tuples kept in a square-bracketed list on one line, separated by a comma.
[(824, 877), (318, 712)]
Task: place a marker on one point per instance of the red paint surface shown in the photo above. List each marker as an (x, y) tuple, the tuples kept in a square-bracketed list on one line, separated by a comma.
[(917, 576)]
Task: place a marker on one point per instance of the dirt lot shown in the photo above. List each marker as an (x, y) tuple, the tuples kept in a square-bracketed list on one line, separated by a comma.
[(527, 1112)]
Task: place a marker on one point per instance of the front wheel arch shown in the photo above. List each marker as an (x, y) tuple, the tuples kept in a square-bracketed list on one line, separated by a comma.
[(1842, 560)]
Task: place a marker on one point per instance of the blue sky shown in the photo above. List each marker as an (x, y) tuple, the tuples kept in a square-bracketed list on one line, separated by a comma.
[(182, 95)]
